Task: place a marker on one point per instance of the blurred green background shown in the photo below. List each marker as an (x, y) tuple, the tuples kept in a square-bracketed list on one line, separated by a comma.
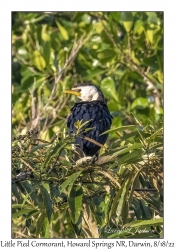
[(122, 52)]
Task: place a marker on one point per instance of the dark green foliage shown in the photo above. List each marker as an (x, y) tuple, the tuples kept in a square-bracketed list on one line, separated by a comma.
[(110, 192)]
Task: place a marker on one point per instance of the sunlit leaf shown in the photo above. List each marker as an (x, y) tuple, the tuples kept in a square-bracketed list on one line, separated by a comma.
[(121, 202), (63, 31), (127, 19), (131, 148), (130, 127), (38, 60), (23, 212), (40, 222), (108, 88), (140, 103), (134, 156), (139, 223)]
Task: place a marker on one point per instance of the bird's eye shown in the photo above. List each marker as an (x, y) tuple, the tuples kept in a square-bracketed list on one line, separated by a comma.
[(78, 90)]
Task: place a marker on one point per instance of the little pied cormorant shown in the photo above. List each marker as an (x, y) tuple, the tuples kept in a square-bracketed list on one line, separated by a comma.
[(91, 107)]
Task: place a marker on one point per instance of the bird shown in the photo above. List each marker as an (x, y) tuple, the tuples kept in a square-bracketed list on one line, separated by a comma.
[(92, 107)]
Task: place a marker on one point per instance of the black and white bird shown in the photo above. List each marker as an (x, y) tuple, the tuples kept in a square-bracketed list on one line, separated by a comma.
[(92, 108)]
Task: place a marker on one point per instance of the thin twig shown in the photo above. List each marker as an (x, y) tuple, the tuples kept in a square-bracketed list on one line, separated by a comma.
[(27, 164), (129, 45), (59, 107), (38, 113), (75, 49), (34, 111), (27, 33)]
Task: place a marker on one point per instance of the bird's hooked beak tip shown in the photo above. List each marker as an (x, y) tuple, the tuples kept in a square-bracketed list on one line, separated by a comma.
[(72, 92)]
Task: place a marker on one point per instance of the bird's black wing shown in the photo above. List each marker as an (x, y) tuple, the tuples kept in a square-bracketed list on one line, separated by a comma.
[(98, 113)]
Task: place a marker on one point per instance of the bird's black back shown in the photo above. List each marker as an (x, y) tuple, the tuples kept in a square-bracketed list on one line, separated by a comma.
[(101, 121)]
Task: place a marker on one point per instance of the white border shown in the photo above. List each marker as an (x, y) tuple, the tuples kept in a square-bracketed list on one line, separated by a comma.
[(5, 93)]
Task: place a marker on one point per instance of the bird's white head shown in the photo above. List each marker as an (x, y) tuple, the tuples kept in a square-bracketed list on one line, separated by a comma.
[(87, 92)]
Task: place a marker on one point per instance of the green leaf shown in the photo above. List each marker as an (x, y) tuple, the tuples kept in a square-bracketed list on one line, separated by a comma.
[(32, 213), (133, 156), (115, 16), (137, 210), (134, 184), (139, 223), (146, 211), (45, 189), (88, 129), (140, 103), (27, 82), (27, 206), (150, 35), (130, 148), (55, 152), (28, 194), (66, 163), (127, 19), (28, 187), (77, 124), (89, 224), (35, 148), (118, 234), (108, 88), (152, 201), (158, 146), (75, 203), (107, 53), (23, 212), (152, 78), (44, 33), (40, 222), (83, 124), (15, 192), (137, 121), (122, 199), (63, 31), (93, 72), (129, 135), (46, 228), (108, 174), (143, 235), (153, 136), (46, 52), (151, 62), (139, 27), (38, 60), (115, 203), (129, 127), (69, 180)]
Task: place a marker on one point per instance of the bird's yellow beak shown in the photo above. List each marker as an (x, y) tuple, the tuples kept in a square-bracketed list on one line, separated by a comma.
[(72, 92)]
